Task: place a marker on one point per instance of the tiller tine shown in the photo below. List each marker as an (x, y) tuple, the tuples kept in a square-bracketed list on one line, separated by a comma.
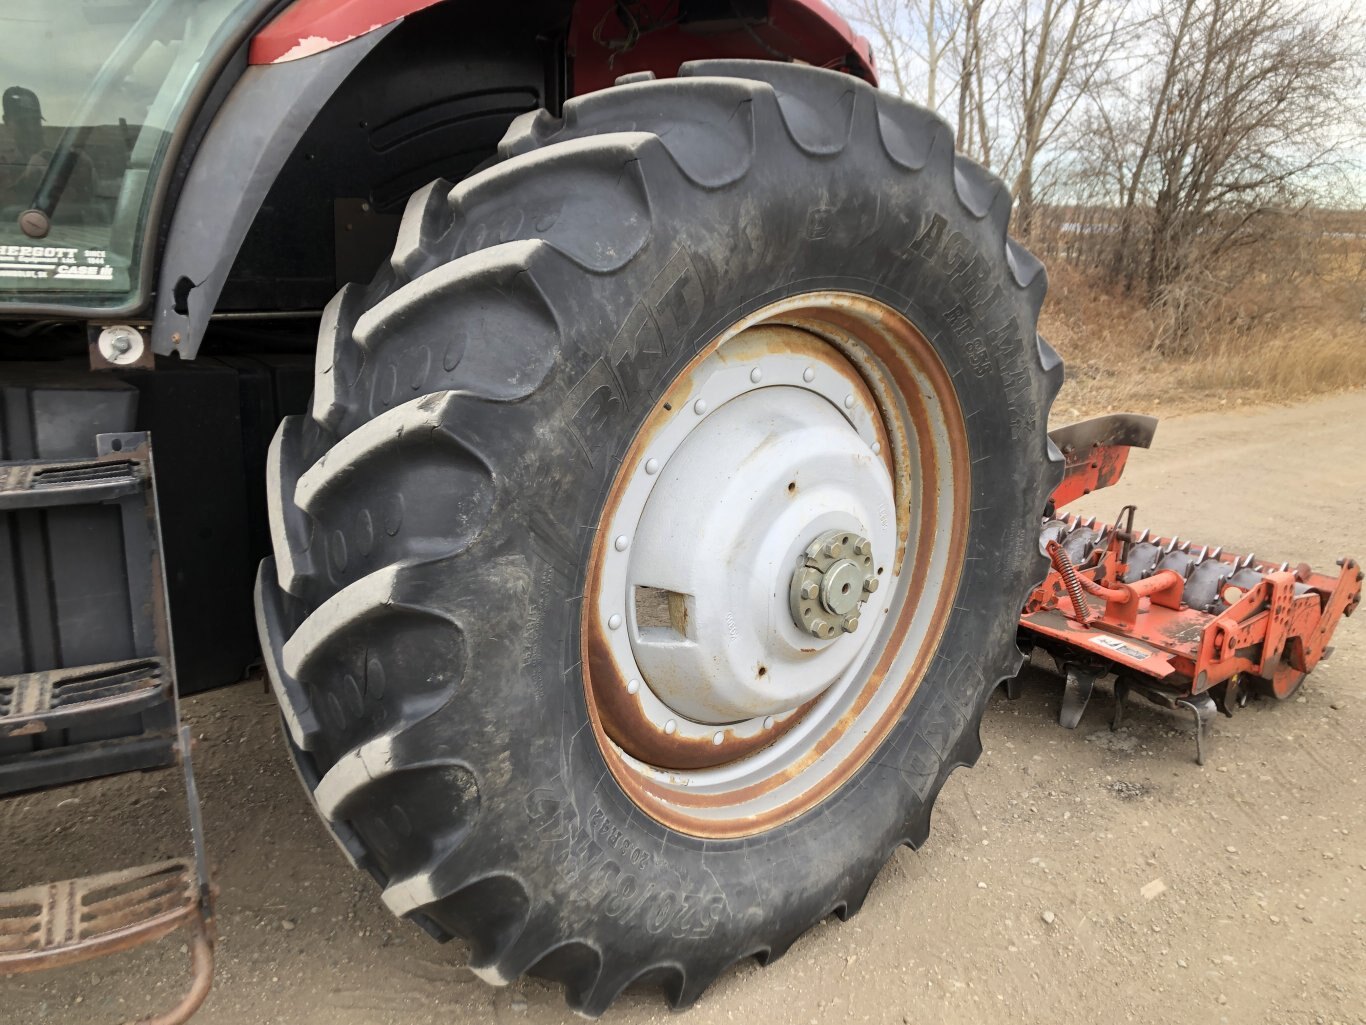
[(1080, 683)]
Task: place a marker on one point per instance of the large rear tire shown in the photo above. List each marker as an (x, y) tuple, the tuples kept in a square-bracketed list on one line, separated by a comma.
[(438, 616)]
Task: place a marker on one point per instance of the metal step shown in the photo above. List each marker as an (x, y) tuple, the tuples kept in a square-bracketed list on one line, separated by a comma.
[(33, 703), (72, 763), (92, 692), (53, 925), (118, 714), (70, 482), (66, 725)]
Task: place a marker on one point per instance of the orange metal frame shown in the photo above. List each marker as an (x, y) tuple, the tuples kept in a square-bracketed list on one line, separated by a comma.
[(1270, 632)]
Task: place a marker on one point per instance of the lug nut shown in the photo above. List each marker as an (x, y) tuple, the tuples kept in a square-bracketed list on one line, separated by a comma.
[(863, 546), (833, 549), (850, 624), (809, 591), (870, 585), (821, 628)]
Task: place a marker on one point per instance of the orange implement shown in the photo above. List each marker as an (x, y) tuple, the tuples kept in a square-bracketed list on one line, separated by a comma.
[(1185, 626)]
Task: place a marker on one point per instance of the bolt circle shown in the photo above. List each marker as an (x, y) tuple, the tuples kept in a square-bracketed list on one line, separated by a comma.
[(832, 583)]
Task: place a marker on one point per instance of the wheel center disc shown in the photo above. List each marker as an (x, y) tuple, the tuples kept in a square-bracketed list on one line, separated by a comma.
[(776, 556), (724, 533)]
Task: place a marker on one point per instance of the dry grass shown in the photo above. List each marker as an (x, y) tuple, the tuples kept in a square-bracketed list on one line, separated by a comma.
[(1260, 347)]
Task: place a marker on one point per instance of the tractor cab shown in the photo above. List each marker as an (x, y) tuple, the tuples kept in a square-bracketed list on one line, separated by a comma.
[(93, 93)]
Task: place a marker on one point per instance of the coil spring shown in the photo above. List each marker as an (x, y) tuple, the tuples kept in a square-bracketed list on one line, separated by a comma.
[(1068, 572)]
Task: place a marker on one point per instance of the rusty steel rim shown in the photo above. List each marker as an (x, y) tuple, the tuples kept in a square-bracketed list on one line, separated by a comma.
[(705, 752)]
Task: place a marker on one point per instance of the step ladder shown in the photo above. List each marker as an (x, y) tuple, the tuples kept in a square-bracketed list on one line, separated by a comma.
[(71, 723)]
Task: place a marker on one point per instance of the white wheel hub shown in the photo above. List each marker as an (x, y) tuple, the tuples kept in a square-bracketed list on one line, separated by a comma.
[(774, 450), (722, 534)]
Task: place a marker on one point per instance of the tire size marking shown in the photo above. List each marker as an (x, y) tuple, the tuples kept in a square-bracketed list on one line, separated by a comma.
[(987, 338), (642, 346), (598, 862)]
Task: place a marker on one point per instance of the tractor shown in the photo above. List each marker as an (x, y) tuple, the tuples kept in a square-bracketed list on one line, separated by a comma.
[(617, 429)]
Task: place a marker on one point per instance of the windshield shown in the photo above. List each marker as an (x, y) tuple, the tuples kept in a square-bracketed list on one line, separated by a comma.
[(91, 91)]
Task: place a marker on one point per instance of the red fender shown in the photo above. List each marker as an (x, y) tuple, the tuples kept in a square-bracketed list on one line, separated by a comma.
[(307, 27), (600, 47)]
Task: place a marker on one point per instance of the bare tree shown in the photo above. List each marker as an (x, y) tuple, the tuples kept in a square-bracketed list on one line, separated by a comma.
[(1009, 72), (1063, 48), (912, 37), (1165, 130), (1243, 111), (970, 48)]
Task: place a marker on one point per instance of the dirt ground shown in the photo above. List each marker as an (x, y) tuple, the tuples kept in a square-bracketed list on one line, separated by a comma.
[(1032, 901)]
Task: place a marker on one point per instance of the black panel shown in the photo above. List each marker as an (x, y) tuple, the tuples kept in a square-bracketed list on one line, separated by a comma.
[(270, 388), (432, 101), (90, 599), (62, 595), (193, 413)]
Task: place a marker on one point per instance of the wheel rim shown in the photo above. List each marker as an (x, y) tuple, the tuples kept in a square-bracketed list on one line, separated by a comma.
[(774, 564)]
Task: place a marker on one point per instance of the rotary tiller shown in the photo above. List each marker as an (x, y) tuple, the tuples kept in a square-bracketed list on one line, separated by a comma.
[(1190, 627)]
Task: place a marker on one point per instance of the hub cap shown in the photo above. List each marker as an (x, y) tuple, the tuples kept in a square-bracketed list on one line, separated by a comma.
[(721, 535), (777, 552)]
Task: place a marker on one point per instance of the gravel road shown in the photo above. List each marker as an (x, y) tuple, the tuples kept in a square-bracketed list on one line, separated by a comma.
[(1072, 877)]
